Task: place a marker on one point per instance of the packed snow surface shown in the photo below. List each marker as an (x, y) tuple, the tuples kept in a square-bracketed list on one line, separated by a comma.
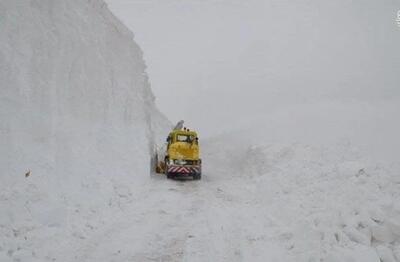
[(78, 126)]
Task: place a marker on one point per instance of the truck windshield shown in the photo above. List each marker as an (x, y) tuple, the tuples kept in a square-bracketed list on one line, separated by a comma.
[(184, 138)]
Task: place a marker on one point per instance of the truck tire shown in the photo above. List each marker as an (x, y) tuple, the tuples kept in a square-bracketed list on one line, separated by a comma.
[(197, 176), (169, 175)]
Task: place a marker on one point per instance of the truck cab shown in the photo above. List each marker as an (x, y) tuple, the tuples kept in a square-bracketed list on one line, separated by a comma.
[(183, 155)]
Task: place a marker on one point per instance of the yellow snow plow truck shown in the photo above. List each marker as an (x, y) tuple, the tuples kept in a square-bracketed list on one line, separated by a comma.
[(180, 158)]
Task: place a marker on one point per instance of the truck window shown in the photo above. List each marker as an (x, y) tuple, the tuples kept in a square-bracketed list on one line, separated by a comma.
[(184, 138)]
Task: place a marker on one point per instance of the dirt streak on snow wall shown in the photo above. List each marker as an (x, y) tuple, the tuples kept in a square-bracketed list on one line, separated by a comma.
[(75, 100)]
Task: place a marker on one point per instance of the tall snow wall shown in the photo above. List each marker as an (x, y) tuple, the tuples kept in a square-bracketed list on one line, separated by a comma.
[(75, 101)]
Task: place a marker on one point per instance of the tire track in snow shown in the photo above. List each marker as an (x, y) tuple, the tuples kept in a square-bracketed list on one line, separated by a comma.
[(156, 229), (206, 220)]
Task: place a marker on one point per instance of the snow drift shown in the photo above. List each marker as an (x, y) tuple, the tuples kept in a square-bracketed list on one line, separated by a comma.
[(319, 182), (77, 116)]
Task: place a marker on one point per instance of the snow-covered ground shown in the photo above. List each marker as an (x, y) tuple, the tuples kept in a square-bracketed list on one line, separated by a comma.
[(312, 182), (283, 202), (303, 202)]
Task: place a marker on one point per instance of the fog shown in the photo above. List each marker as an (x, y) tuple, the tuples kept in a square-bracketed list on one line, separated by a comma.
[(222, 65)]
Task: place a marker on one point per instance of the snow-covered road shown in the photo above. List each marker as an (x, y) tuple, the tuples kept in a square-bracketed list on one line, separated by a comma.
[(301, 203), (282, 202), (207, 220)]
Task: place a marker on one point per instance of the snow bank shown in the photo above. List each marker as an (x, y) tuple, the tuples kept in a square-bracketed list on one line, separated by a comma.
[(77, 116), (326, 177)]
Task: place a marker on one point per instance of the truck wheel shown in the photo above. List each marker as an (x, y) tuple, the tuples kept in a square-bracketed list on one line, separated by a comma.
[(169, 175), (197, 176)]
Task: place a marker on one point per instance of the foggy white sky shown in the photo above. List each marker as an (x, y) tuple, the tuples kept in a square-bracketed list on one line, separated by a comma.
[(214, 63)]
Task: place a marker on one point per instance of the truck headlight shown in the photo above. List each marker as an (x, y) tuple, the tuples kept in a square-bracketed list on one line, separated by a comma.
[(179, 161), (171, 161)]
